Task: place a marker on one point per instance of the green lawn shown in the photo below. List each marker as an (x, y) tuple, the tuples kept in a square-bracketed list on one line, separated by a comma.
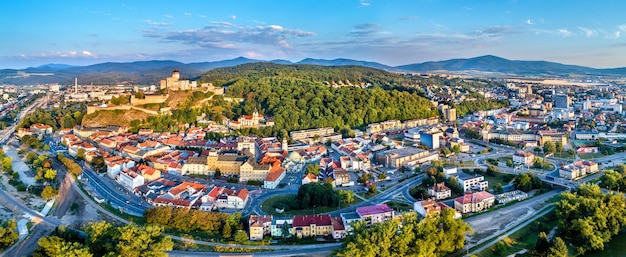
[(526, 237), (563, 155), (589, 156), (268, 208), (466, 164), (399, 206), (499, 178)]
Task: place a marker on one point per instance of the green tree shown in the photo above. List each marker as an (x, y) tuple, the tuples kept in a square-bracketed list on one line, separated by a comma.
[(492, 170), (558, 147), (313, 169), (542, 244), (80, 154), (611, 180), (218, 173), (371, 189), (382, 176), (7, 164), (99, 236), (347, 196), (8, 233), (227, 231), (134, 241), (571, 152), (48, 192), (432, 236), (49, 174), (523, 182), (558, 248), (30, 157), (497, 188), (509, 163), (241, 237), (285, 230), (549, 147)]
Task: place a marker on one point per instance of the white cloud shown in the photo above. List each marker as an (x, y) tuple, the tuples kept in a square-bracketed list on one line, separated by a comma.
[(155, 23), (529, 22), (588, 32), (234, 17), (168, 16), (187, 14), (58, 54), (226, 35), (622, 27), (617, 34), (564, 33), (364, 3)]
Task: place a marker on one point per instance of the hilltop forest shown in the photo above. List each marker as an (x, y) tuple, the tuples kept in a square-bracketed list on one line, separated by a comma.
[(308, 96)]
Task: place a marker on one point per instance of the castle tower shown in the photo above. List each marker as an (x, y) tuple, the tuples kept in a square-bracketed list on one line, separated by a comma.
[(176, 75)]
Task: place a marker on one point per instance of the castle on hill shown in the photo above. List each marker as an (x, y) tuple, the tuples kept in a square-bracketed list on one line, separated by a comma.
[(174, 82)]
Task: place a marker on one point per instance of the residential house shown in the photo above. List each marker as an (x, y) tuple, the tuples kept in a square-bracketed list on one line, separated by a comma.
[(469, 182), (312, 225), (439, 191), (259, 226), (274, 177), (427, 207), (525, 158), (375, 214), (474, 202), (339, 230), (130, 179), (309, 178), (578, 169)]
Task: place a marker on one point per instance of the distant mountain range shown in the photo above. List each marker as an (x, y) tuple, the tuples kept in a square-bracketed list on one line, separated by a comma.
[(150, 72)]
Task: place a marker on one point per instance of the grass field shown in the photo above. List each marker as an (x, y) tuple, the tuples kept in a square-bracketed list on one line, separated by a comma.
[(589, 156), (499, 178), (268, 206)]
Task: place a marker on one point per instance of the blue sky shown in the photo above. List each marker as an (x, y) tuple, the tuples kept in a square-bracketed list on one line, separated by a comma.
[(589, 33)]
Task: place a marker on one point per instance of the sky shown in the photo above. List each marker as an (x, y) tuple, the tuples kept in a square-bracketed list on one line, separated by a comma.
[(392, 32)]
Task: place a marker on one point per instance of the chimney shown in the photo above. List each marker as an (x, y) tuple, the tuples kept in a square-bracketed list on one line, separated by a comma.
[(75, 85)]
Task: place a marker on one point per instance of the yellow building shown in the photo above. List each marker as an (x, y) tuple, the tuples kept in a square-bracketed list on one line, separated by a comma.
[(312, 225)]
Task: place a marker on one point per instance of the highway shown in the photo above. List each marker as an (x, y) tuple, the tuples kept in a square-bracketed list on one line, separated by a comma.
[(114, 194)]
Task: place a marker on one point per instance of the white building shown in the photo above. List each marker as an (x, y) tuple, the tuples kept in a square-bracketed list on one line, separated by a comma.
[(469, 182), (130, 179)]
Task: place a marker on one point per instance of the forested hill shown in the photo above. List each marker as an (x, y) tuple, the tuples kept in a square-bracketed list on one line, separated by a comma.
[(311, 73), (297, 97)]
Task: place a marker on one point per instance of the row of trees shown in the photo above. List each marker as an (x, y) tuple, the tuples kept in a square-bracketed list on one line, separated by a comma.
[(433, 236), (187, 220), (71, 166), (105, 239)]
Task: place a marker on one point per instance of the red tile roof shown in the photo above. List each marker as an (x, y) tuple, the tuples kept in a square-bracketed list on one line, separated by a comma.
[(307, 220), (375, 209)]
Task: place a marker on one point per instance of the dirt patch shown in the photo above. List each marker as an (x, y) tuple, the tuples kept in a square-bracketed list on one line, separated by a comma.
[(103, 118)]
